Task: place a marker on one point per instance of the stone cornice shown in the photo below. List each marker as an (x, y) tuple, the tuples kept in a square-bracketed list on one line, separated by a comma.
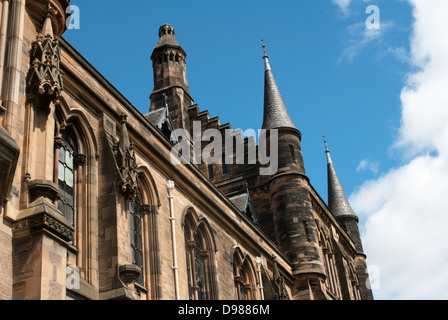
[(288, 130), (43, 216)]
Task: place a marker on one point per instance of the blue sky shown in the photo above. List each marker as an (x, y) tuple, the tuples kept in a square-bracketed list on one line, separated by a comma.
[(337, 78)]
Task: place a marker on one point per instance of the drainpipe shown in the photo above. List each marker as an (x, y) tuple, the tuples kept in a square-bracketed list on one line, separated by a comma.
[(260, 280), (170, 186), (14, 62), (4, 11)]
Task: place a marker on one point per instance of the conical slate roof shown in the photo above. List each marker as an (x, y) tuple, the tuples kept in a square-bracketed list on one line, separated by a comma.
[(337, 200), (275, 113)]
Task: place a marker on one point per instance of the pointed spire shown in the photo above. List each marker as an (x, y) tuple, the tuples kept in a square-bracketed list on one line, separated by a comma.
[(47, 29), (337, 200), (275, 113)]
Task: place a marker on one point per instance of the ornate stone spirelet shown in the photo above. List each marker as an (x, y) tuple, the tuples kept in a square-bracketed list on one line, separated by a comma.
[(124, 156), (46, 76)]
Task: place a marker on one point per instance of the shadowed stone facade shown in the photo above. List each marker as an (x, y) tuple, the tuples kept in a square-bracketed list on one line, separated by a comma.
[(92, 207)]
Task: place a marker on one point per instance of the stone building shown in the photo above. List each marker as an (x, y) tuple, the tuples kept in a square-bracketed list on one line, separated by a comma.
[(94, 207)]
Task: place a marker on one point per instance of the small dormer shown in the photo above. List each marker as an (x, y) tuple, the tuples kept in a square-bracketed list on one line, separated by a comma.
[(244, 204), (161, 119)]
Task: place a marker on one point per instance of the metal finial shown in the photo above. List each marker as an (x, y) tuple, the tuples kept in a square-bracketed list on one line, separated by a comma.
[(326, 147), (264, 48)]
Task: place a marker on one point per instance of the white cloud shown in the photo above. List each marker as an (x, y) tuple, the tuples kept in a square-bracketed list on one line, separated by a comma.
[(404, 210), (343, 4), (400, 54), (359, 38), (368, 165)]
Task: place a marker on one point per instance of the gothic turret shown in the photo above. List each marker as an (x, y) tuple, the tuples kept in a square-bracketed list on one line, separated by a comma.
[(289, 189), (341, 209), (337, 200), (170, 78)]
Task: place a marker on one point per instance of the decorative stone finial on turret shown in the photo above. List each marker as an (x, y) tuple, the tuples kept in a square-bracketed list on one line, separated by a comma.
[(60, 13)]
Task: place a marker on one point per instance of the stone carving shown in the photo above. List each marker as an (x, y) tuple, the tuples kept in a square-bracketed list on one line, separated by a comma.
[(124, 156), (46, 76), (46, 221), (277, 283)]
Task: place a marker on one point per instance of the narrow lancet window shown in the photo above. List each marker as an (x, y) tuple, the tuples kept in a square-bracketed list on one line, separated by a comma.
[(66, 179), (136, 236)]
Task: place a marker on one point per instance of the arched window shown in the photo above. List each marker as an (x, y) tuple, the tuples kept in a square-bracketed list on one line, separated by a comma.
[(136, 236), (239, 284), (66, 178), (74, 173), (196, 283), (244, 277), (354, 281), (144, 236), (331, 282), (199, 248)]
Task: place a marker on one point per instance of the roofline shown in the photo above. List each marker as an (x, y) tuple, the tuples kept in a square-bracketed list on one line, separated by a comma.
[(67, 47)]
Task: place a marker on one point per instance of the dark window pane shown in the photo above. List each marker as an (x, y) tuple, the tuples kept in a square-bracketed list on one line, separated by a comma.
[(136, 236), (210, 171), (243, 292), (66, 179)]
